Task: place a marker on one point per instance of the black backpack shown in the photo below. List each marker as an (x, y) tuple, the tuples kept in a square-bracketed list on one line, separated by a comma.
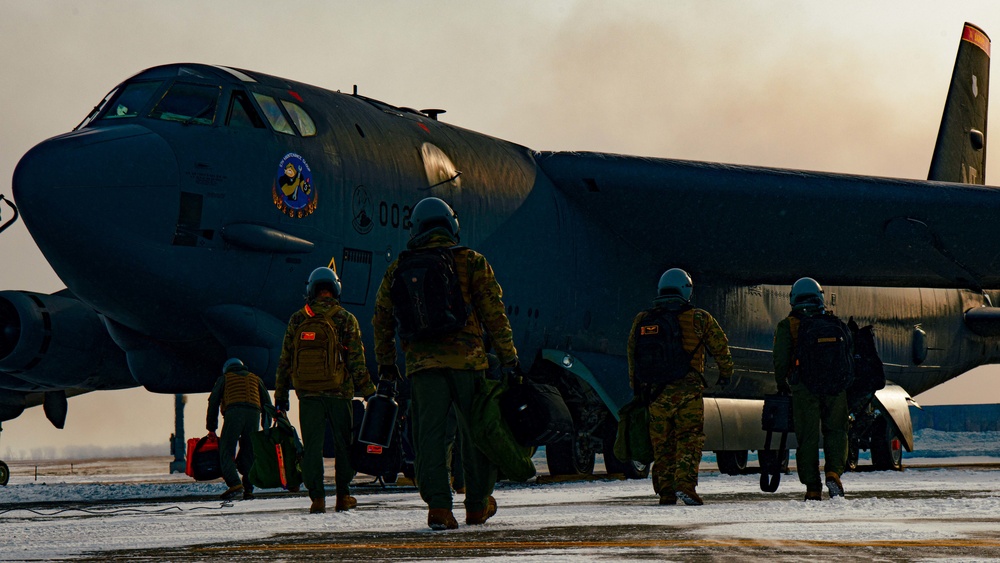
[(427, 295), (869, 373), (660, 356), (824, 358)]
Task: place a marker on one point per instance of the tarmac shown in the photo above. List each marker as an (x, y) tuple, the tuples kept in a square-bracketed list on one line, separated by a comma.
[(686, 536)]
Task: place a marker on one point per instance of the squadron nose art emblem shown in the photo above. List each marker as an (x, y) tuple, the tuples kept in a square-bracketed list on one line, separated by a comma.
[(292, 190)]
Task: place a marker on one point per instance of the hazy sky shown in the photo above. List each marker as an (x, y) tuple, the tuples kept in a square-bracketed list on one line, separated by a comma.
[(852, 87)]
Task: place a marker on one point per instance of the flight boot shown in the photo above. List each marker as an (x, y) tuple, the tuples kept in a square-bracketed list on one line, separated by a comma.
[(345, 503), (481, 516), (688, 496), (318, 506), (814, 492), (247, 489), (441, 519), (668, 497), (231, 492), (833, 485)]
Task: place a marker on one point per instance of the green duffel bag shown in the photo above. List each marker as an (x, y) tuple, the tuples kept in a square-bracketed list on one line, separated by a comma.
[(632, 442), (277, 455), (494, 438)]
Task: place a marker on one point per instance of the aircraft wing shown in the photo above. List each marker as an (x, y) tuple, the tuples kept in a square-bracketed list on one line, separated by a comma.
[(759, 225)]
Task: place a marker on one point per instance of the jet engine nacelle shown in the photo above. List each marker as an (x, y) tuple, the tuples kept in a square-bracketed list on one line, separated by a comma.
[(58, 342)]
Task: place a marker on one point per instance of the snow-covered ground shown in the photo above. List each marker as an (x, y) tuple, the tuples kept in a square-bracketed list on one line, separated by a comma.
[(90, 510)]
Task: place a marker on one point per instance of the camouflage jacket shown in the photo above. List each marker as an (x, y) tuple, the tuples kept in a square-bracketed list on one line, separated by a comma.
[(697, 325), (465, 348), (357, 381)]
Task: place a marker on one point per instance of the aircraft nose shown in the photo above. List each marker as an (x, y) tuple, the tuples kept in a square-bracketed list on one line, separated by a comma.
[(92, 197)]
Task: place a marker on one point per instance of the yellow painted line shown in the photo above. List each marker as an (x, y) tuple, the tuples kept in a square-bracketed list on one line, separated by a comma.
[(567, 544)]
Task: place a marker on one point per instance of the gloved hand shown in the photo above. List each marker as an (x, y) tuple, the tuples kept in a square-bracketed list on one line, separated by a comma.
[(388, 371), (282, 406), (722, 381), (512, 370), (210, 430), (784, 389)]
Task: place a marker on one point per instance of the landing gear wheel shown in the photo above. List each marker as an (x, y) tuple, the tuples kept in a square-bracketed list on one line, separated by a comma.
[(4, 474), (571, 456), (887, 450), (732, 462), (631, 469)]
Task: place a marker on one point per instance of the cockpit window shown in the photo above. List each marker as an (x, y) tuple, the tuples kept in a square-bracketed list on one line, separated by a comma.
[(132, 99), (273, 113), (303, 122), (242, 113), (188, 103)]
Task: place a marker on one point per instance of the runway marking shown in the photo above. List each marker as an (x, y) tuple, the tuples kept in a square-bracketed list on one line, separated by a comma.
[(566, 544)]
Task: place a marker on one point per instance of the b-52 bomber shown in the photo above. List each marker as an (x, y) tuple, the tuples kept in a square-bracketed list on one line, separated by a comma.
[(186, 211)]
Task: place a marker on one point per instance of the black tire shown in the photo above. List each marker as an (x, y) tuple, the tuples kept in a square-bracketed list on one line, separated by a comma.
[(732, 462), (630, 469), (887, 449), (570, 457), (4, 474)]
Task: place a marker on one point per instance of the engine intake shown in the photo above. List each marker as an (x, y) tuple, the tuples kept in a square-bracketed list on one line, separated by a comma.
[(58, 342)]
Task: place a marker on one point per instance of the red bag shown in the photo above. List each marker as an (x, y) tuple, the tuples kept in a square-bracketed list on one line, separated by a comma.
[(203, 458)]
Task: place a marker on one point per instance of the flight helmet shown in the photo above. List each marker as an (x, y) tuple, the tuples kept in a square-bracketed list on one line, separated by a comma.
[(807, 291), (322, 278), (232, 364), (432, 212), (675, 282)]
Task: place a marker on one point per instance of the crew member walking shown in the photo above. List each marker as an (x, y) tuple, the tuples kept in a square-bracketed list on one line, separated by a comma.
[(438, 297), (666, 360), (813, 360), (323, 358), (240, 395)]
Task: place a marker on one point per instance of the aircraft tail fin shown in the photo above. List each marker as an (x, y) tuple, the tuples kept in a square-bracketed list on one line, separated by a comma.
[(960, 151)]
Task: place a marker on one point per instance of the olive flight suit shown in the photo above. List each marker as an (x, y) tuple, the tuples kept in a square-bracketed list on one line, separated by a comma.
[(239, 394), (812, 412), (327, 399), (444, 372)]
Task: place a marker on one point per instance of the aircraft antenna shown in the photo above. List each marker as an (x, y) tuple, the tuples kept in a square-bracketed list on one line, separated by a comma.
[(12, 219)]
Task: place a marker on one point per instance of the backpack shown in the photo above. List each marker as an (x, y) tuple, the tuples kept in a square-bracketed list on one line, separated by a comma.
[(317, 359), (824, 359), (660, 356), (869, 374), (426, 294)]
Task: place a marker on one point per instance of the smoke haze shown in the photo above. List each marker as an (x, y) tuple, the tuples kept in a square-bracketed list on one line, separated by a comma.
[(854, 87)]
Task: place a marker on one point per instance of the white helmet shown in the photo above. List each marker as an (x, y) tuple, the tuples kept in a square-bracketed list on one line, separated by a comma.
[(675, 282), (807, 291)]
